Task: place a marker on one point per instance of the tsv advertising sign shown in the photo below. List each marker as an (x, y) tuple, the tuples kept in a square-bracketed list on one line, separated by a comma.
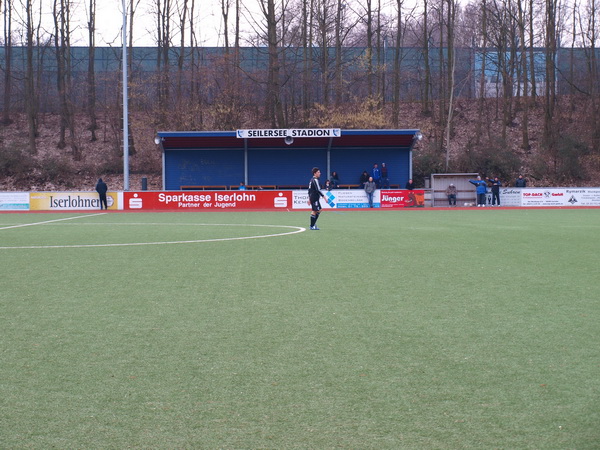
[(207, 200)]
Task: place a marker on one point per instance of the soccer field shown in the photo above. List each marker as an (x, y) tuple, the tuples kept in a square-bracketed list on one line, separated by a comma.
[(383, 330)]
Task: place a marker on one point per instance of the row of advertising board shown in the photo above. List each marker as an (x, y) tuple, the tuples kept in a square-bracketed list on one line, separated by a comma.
[(206, 200), (548, 197), (274, 199)]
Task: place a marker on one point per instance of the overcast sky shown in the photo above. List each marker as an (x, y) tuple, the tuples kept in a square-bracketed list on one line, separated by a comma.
[(110, 17), (109, 21)]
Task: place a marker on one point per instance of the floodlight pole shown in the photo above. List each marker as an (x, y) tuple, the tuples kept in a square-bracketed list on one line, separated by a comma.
[(125, 105)]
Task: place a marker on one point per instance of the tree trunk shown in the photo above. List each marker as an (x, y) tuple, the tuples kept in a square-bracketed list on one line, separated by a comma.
[(339, 80), (274, 107), (6, 112), (91, 75), (59, 49), (397, 60), (426, 99), (531, 51), (483, 56), (369, 52), (31, 100), (451, 76), (550, 132), (525, 79)]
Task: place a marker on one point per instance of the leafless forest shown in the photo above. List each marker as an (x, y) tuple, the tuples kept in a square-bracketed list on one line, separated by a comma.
[(497, 87)]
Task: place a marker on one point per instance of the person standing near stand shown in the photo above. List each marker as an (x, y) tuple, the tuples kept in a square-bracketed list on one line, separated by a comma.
[(376, 174), (314, 196), (521, 182), (481, 189), (370, 187), (385, 179), (101, 189), (334, 180), (495, 190), (364, 177)]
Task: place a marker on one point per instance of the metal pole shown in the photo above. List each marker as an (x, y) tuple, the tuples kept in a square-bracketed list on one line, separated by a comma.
[(246, 163), (125, 105)]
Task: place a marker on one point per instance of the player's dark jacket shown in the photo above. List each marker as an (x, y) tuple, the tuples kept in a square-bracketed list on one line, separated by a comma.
[(101, 187), (314, 190), (496, 186)]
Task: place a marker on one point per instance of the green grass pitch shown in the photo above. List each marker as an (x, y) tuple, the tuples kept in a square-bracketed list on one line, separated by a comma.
[(383, 330)]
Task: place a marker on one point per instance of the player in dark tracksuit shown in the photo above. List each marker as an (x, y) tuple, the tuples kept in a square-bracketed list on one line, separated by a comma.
[(314, 195), (101, 188), (496, 184)]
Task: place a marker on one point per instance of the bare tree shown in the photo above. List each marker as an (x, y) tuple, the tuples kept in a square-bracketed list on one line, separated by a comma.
[(195, 74), (589, 26), (550, 131), (307, 56), (532, 71), (326, 22), (7, 16), (524, 76), (183, 12), (426, 86), (399, 33), (274, 110), (62, 46), (502, 34), (131, 9), (450, 26), (339, 39), (484, 56), (133, 4), (380, 44), (31, 99), (91, 75), (369, 50), (225, 11), (163, 38)]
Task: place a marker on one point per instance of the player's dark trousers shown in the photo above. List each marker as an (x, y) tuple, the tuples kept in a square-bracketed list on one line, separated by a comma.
[(103, 201), (481, 199), (452, 200), (495, 197)]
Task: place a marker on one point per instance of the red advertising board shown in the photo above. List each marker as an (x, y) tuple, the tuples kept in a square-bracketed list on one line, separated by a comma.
[(402, 198), (206, 200)]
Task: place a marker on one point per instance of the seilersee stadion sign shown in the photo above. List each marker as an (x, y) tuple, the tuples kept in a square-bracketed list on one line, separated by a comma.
[(289, 132)]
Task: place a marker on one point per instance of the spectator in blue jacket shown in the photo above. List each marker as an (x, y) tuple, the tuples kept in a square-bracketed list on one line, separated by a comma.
[(376, 174), (481, 189)]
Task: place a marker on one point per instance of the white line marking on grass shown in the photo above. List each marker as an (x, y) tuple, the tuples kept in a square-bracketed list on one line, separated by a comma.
[(49, 221), (295, 231)]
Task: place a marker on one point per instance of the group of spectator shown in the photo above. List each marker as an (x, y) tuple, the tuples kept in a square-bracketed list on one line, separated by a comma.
[(379, 176), (377, 179), (481, 186)]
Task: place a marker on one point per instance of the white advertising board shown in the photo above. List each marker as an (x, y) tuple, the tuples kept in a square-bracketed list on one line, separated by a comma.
[(508, 197), (338, 198), (583, 197), (560, 197), (14, 201)]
